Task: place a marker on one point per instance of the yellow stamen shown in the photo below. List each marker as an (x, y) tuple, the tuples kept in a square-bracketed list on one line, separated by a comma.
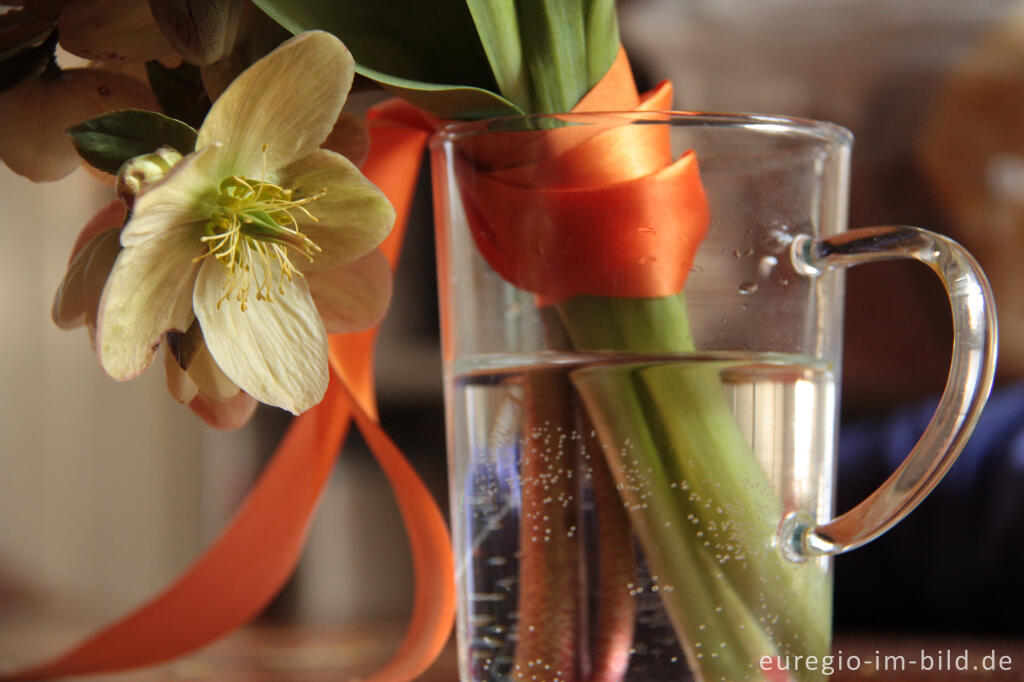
[(251, 232)]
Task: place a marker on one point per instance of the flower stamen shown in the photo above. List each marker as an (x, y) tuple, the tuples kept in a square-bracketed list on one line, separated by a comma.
[(252, 232)]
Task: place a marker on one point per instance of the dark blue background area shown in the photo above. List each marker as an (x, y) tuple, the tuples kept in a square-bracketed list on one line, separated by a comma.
[(957, 562)]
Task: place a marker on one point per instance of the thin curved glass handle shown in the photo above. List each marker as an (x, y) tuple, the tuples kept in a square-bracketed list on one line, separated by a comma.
[(970, 377)]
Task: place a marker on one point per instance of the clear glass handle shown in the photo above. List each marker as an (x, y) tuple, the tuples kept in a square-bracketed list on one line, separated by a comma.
[(970, 377)]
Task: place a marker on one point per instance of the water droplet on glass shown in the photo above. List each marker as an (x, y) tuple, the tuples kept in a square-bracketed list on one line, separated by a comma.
[(748, 288), (744, 253)]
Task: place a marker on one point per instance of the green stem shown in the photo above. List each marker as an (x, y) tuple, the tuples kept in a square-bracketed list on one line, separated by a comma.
[(555, 51), (672, 421), (498, 27), (704, 608)]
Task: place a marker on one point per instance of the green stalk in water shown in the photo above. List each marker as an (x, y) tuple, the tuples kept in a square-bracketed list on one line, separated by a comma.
[(700, 501), (705, 610)]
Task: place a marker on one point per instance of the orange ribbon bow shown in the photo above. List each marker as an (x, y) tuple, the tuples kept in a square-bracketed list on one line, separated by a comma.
[(586, 209)]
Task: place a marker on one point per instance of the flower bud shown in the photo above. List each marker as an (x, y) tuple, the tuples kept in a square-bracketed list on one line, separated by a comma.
[(138, 173)]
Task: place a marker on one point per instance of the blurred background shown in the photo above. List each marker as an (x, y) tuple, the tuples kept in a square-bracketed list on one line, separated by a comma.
[(107, 491)]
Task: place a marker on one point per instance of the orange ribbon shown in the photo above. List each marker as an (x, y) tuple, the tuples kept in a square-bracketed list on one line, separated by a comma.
[(586, 209), (582, 190)]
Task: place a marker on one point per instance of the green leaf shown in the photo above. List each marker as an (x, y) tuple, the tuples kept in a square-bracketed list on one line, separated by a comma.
[(434, 42), (107, 141), (446, 101), (602, 27), (498, 27), (556, 52), (426, 52), (179, 91)]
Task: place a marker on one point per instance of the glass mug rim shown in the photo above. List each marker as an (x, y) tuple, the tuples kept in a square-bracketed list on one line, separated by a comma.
[(806, 128)]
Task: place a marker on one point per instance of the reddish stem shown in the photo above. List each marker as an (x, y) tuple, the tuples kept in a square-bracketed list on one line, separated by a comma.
[(616, 570), (550, 549)]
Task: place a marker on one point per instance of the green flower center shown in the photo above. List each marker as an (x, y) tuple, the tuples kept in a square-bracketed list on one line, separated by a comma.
[(251, 231)]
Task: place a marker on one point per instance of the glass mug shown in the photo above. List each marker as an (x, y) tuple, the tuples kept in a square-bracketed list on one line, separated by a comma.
[(641, 477)]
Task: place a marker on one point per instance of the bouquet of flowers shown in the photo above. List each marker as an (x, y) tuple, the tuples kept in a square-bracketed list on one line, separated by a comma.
[(247, 238)]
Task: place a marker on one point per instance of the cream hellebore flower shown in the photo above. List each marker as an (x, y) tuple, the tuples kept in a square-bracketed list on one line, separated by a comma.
[(259, 236), (36, 113)]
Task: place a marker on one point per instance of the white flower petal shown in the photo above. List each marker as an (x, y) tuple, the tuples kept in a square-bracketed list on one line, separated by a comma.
[(110, 89), (201, 32), (286, 103), (208, 376), (227, 415), (354, 296), (97, 272), (179, 384), (276, 351), (111, 29), (350, 138), (183, 197), (79, 293), (148, 293), (35, 116), (68, 309), (353, 217), (111, 216)]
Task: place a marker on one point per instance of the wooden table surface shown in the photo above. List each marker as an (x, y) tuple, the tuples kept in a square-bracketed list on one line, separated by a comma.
[(320, 654)]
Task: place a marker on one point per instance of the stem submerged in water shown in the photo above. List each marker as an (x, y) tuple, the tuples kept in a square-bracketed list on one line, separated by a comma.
[(615, 610), (557, 456), (549, 548), (702, 505)]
